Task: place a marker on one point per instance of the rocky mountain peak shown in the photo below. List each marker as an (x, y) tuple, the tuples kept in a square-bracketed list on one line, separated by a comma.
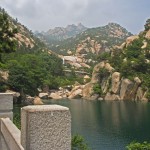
[(61, 33)]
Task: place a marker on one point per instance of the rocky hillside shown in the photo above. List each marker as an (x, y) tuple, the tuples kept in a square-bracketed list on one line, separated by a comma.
[(106, 36), (82, 51), (24, 37), (60, 33), (122, 74), (25, 62)]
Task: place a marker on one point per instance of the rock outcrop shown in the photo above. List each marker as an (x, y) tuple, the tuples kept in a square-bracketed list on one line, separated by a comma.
[(115, 82), (43, 95), (130, 39), (37, 101), (76, 92)]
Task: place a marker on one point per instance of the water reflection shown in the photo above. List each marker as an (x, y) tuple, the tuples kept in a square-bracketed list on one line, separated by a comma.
[(109, 124)]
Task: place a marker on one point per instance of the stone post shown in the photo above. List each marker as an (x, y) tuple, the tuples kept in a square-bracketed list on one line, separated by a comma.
[(6, 107), (46, 127)]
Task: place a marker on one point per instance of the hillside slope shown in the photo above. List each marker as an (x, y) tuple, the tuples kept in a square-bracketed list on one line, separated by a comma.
[(124, 74), (82, 50)]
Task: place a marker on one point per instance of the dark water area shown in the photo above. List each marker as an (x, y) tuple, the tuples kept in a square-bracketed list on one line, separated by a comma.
[(108, 125)]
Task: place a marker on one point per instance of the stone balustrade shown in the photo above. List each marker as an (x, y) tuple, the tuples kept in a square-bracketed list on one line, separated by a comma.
[(44, 127), (6, 105)]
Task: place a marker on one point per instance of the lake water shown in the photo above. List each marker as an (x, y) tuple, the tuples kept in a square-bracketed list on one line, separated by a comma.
[(108, 125)]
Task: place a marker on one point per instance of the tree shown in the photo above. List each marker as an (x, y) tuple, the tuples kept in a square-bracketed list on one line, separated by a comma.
[(147, 25), (138, 146), (7, 33)]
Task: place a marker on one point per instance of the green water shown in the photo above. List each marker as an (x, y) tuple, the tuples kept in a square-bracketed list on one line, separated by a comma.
[(108, 125)]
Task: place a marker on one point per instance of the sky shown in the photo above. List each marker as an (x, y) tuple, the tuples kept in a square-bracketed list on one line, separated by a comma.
[(42, 15)]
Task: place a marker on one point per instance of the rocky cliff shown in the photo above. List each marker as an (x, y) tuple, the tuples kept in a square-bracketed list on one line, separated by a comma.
[(125, 72), (81, 52)]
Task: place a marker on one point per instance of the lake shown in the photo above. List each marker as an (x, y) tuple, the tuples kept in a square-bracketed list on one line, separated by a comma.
[(108, 125)]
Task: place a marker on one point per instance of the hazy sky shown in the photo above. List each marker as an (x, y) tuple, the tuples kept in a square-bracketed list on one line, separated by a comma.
[(45, 14)]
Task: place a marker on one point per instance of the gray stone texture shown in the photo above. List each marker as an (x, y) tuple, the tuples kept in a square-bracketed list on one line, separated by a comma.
[(11, 135), (46, 127), (6, 105)]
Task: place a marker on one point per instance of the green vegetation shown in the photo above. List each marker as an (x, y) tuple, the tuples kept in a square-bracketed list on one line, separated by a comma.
[(78, 143), (7, 33), (131, 62), (138, 146), (32, 71), (147, 25), (97, 89)]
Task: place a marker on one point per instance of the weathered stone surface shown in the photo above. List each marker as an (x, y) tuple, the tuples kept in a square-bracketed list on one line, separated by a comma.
[(15, 95), (55, 96), (129, 89), (147, 34), (6, 102), (37, 101), (93, 97), (88, 90), (4, 75), (140, 95), (100, 99), (11, 135), (6, 105), (86, 78), (132, 93), (105, 83), (144, 44), (6, 114), (43, 95), (126, 87), (75, 94), (115, 82), (70, 59), (52, 131), (130, 39), (112, 97), (108, 67), (95, 74)]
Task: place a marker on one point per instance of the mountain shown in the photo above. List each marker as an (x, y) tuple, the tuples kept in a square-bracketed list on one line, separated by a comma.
[(61, 33), (107, 36), (83, 49), (122, 74)]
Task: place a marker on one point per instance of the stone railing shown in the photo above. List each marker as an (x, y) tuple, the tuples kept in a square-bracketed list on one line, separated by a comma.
[(45, 127)]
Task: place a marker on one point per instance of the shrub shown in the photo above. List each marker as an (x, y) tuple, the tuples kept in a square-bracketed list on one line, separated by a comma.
[(138, 146)]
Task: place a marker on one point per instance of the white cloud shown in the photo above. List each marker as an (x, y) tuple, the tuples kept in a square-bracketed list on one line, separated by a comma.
[(45, 14)]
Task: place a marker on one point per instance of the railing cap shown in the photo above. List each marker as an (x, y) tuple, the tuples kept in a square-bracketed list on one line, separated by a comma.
[(6, 93), (38, 108)]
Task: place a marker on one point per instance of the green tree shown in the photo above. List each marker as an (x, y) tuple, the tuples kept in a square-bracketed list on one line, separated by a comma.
[(138, 146), (147, 25), (7, 32), (29, 72)]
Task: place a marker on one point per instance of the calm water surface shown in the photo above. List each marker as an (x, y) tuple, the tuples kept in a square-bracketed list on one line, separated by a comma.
[(108, 125)]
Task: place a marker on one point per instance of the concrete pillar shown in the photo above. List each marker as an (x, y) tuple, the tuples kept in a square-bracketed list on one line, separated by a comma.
[(6, 105), (46, 127)]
